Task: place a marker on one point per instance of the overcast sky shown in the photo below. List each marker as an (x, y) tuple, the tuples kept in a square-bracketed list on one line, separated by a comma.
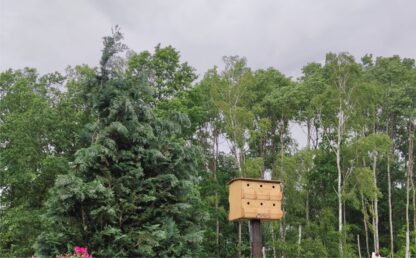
[(51, 34)]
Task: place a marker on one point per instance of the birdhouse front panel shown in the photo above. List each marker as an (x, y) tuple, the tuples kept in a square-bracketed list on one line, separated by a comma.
[(255, 199)]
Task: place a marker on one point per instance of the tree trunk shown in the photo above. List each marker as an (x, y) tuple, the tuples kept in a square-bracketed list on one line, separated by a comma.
[(273, 240), (414, 209), (374, 232), (365, 225), (282, 224), (250, 235), (316, 135), (307, 208), (308, 139), (408, 183), (344, 217), (282, 234), (299, 239), (390, 207), (217, 229), (376, 237), (282, 145), (358, 246), (282, 228), (407, 249), (214, 171), (411, 157), (339, 189), (239, 239)]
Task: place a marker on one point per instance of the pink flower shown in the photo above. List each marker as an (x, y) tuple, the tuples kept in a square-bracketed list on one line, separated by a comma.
[(80, 250)]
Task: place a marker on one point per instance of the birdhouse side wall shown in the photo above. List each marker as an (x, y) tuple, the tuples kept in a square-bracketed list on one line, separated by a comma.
[(235, 200)]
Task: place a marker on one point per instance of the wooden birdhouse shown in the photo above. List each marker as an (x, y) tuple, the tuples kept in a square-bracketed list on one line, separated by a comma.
[(255, 199)]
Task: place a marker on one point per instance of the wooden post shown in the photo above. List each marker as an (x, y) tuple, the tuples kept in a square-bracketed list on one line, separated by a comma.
[(256, 243)]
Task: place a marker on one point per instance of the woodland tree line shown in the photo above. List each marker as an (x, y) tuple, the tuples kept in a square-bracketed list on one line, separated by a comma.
[(125, 158)]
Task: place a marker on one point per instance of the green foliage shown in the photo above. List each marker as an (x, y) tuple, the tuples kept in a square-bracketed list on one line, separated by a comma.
[(213, 190), (229, 96), (162, 71), (273, 102), (34, 143), (254, 167)]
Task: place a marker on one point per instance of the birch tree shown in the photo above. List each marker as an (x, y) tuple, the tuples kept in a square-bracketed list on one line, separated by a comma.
[(341, 71)]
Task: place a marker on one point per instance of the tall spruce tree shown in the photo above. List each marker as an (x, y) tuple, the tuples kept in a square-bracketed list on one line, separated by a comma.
[(133, 191)]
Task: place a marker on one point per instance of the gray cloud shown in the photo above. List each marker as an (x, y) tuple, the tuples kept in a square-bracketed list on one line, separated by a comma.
[(50, 34)]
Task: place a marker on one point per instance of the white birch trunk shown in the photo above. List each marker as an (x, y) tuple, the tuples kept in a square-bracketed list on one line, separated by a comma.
[(408, 183), (365, 224), (407, 249), (273, 240), (339, 189), (376, 237)]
